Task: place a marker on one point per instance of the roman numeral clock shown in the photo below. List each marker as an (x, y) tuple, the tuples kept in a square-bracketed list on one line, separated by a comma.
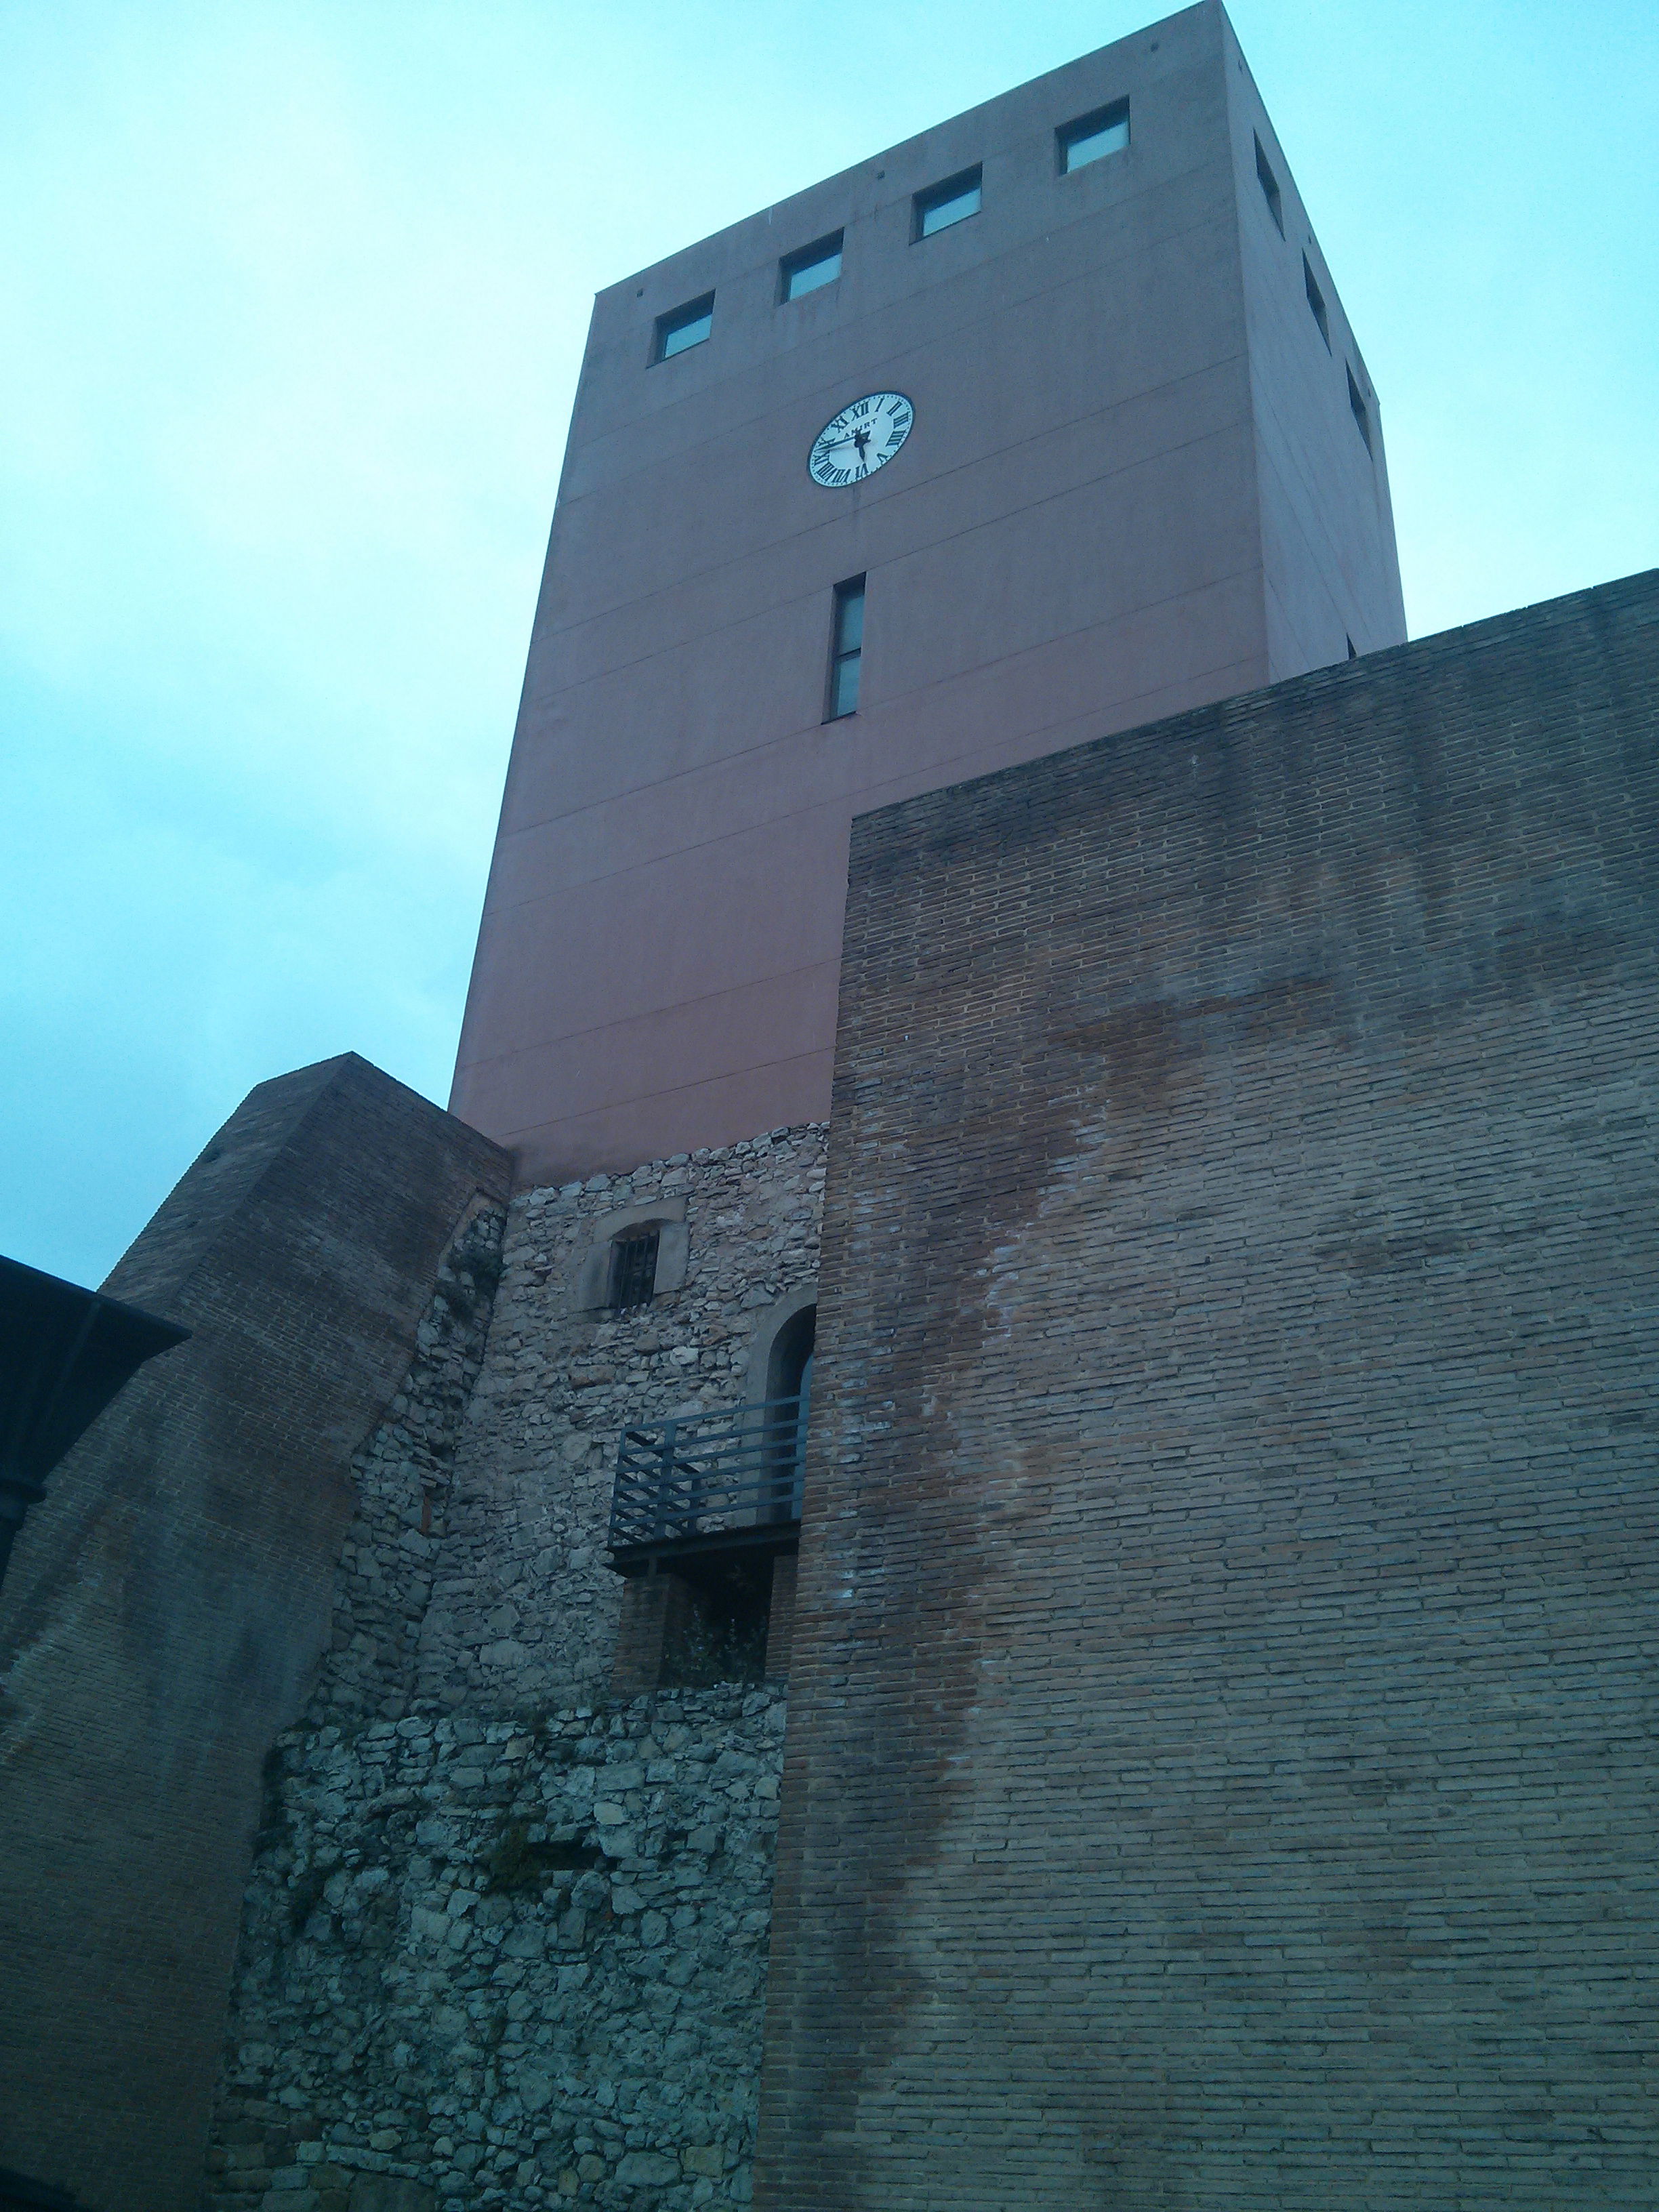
[(860, 440)]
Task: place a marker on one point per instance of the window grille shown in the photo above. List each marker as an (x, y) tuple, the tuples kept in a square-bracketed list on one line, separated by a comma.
[(633, 1268)]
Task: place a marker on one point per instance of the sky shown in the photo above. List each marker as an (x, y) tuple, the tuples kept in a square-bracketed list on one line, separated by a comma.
[(292, 302)]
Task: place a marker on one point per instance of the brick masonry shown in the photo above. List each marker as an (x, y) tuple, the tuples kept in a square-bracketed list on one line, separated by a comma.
[(1221, 1770), (169, 1601)]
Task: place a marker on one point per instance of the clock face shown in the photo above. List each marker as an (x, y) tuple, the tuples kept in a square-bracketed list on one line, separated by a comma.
[(860, 440)]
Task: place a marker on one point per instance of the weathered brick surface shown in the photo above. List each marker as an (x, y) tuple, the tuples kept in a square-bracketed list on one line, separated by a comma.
[(1221, 1772), (168, 1603)]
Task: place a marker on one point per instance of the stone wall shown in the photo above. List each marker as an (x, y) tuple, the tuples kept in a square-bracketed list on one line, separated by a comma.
[(1221, 1761), (500, 1963), (506, 1937), (523, 1608)]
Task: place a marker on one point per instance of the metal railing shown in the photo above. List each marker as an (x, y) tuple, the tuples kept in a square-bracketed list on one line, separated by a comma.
[(732, 1473)]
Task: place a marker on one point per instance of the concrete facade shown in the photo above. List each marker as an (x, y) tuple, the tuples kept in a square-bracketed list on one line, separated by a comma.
[(168, 1603), (1134, 483), (1220, 1767)]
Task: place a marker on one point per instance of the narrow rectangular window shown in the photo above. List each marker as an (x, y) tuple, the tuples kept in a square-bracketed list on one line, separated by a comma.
[(1091, 137), (685, 327), (941, 205), (1316, 302), (816, 264), (633, 1267), (1269, 184), (846, 648), (1362, 414)]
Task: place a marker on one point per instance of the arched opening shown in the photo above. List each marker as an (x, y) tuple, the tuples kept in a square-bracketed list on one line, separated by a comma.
[(789, 1393)]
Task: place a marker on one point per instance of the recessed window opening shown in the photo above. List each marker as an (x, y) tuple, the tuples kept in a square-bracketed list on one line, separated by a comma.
[(846, 649), (1316, 300), (1269, 184), (814, 264), (684, 327), (1362, 414), (1092, 136), (789, 1394), (942, 204), (633, 1267)]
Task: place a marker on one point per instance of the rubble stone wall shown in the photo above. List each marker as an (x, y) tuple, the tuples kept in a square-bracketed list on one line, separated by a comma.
[(523, 1608), (506, 1940), (488, 1963)]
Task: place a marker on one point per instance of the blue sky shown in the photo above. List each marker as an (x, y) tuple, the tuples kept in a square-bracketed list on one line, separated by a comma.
[(292, 300)]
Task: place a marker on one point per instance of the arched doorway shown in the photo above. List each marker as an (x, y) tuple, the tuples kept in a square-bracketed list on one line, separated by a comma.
[(789, 1392)]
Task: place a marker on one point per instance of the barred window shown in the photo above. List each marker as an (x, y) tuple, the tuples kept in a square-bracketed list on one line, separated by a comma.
[(633, 1267)]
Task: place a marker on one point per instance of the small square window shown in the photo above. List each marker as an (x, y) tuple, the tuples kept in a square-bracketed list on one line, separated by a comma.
[(1269, 184), (1091, 137), (941, 205), (813, 265), (846, 649), (686, 327), (1316, 300), (1362, 414)]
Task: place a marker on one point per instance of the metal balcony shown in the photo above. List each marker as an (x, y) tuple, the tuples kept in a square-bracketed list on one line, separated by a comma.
[(725, 1482)]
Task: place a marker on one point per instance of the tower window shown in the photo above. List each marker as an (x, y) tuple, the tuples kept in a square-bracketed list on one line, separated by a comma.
[(1093, 137), (1316, 300), (1362, 414), (633, 1267), (846, 648), (812, 265), (685, 327), (941, 205), (1269, 184)]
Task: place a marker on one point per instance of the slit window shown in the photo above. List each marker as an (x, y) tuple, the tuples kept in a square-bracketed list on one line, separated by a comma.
[(846, 649), (1362, 414), (1270, 192), (942, 204), (685, 327), (633, 1267), (813, 265), (1316, 302), (1091, 137)]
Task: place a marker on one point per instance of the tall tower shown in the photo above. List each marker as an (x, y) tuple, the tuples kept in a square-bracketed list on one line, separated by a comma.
[(1118, 456)]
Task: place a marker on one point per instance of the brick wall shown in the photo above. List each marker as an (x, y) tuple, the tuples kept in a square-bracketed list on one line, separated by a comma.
[(168, 1603), (1220, 1771)]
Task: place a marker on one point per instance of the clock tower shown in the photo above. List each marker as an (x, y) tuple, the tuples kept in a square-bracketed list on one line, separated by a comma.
[(1046, 423)]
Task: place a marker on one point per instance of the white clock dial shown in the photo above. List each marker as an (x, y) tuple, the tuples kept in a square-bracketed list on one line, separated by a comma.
[(860, 440)]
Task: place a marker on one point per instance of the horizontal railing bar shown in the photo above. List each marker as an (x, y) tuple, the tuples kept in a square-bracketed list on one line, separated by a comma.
[(734, 1471)]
